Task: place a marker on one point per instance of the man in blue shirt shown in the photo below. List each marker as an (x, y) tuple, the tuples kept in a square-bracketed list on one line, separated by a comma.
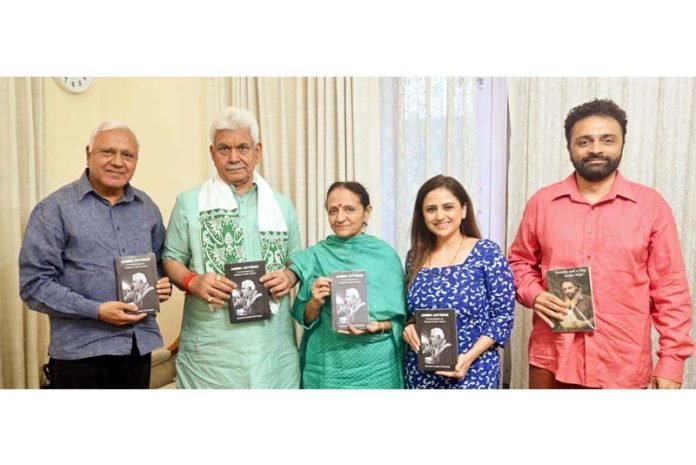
[(66, 268)]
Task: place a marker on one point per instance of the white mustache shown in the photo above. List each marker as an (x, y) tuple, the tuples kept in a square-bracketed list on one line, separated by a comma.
[(234, 166)]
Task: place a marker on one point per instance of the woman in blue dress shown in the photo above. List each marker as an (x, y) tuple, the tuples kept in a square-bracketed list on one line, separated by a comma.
[(449, 266)]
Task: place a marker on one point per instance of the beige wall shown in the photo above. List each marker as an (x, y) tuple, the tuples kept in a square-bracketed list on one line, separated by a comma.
[(167, 115)]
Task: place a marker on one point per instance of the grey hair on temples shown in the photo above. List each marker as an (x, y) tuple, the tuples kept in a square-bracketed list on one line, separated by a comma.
[(110, 126), (232, 118)]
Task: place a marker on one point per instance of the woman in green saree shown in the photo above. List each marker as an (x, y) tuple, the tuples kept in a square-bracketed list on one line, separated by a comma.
[(353, 358)]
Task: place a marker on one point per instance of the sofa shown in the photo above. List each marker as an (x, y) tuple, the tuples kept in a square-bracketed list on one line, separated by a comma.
[(163, 374)]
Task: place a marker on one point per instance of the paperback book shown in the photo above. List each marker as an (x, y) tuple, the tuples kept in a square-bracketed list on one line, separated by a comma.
[(349, 304), (136, 281), (249, 300), (574, 287), (437, 331)]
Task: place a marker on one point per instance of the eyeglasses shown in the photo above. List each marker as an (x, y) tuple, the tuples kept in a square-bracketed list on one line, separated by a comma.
[(226, 150)]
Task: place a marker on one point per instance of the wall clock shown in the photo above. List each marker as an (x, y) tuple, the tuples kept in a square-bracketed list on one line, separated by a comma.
[(74, 85)]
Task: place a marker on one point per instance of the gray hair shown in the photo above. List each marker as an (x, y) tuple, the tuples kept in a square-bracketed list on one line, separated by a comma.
[(437, 332), (232, 118), (352, 292), (110, 126), (139, 277)]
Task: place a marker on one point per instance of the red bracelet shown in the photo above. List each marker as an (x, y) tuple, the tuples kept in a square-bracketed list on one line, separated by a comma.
[(187, 280)]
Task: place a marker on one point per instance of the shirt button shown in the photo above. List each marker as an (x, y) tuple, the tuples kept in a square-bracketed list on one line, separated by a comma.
[(118, 228), (124, 251), (588, 257)]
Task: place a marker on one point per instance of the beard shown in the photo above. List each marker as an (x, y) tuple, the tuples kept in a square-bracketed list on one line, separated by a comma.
[(594, 173)]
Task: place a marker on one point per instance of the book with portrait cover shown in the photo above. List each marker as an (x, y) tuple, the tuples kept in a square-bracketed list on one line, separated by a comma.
[(249, 301), (349, 303), (136, 282), (437, 331), (574, 287)]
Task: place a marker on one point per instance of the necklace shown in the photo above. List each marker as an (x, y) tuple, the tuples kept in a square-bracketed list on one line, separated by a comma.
[(456, 252)]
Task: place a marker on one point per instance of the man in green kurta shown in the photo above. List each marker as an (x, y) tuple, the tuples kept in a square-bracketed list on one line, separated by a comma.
[(233, 217)]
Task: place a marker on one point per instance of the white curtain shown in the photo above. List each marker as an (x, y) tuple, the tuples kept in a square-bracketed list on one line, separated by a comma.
[(23, 333), (314, 131), (428, 127), (659, 152), (455, 126)]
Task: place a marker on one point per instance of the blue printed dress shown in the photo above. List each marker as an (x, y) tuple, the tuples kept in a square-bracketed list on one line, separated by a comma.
[(482, 291)]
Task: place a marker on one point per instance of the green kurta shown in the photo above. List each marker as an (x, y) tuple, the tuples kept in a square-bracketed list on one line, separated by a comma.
[(331, 360), (213, 353)]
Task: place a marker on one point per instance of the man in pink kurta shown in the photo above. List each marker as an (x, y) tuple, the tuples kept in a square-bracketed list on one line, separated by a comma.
[(626, 234)]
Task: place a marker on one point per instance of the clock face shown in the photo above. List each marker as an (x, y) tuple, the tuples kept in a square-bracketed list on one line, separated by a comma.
[(74, 85)]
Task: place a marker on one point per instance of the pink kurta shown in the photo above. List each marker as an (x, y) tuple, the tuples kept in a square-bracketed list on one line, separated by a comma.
[(629, 240)]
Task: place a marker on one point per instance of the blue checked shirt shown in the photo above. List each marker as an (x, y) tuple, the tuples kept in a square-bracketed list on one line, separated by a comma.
[(66, 267)]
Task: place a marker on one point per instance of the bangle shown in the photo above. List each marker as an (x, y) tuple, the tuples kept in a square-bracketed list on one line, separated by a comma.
[(187, 280), (381, 325)]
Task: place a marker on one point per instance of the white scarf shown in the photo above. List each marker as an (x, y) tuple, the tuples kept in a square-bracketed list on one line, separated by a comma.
[(216, 194)]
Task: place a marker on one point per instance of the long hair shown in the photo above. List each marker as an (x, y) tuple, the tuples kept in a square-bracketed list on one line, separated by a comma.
[(422, 240)]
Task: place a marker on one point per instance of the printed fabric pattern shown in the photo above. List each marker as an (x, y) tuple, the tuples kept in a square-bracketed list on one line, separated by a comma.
[(222, 240), (482, 291), (274, 247)]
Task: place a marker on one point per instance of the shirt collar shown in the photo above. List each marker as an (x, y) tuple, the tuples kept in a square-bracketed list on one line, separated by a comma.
[(84, 187), (621, 188)]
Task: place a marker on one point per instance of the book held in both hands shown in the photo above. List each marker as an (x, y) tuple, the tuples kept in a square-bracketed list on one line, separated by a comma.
[(249, 301), (574, 287), (349, 300), (136, 282), (437, 331)]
